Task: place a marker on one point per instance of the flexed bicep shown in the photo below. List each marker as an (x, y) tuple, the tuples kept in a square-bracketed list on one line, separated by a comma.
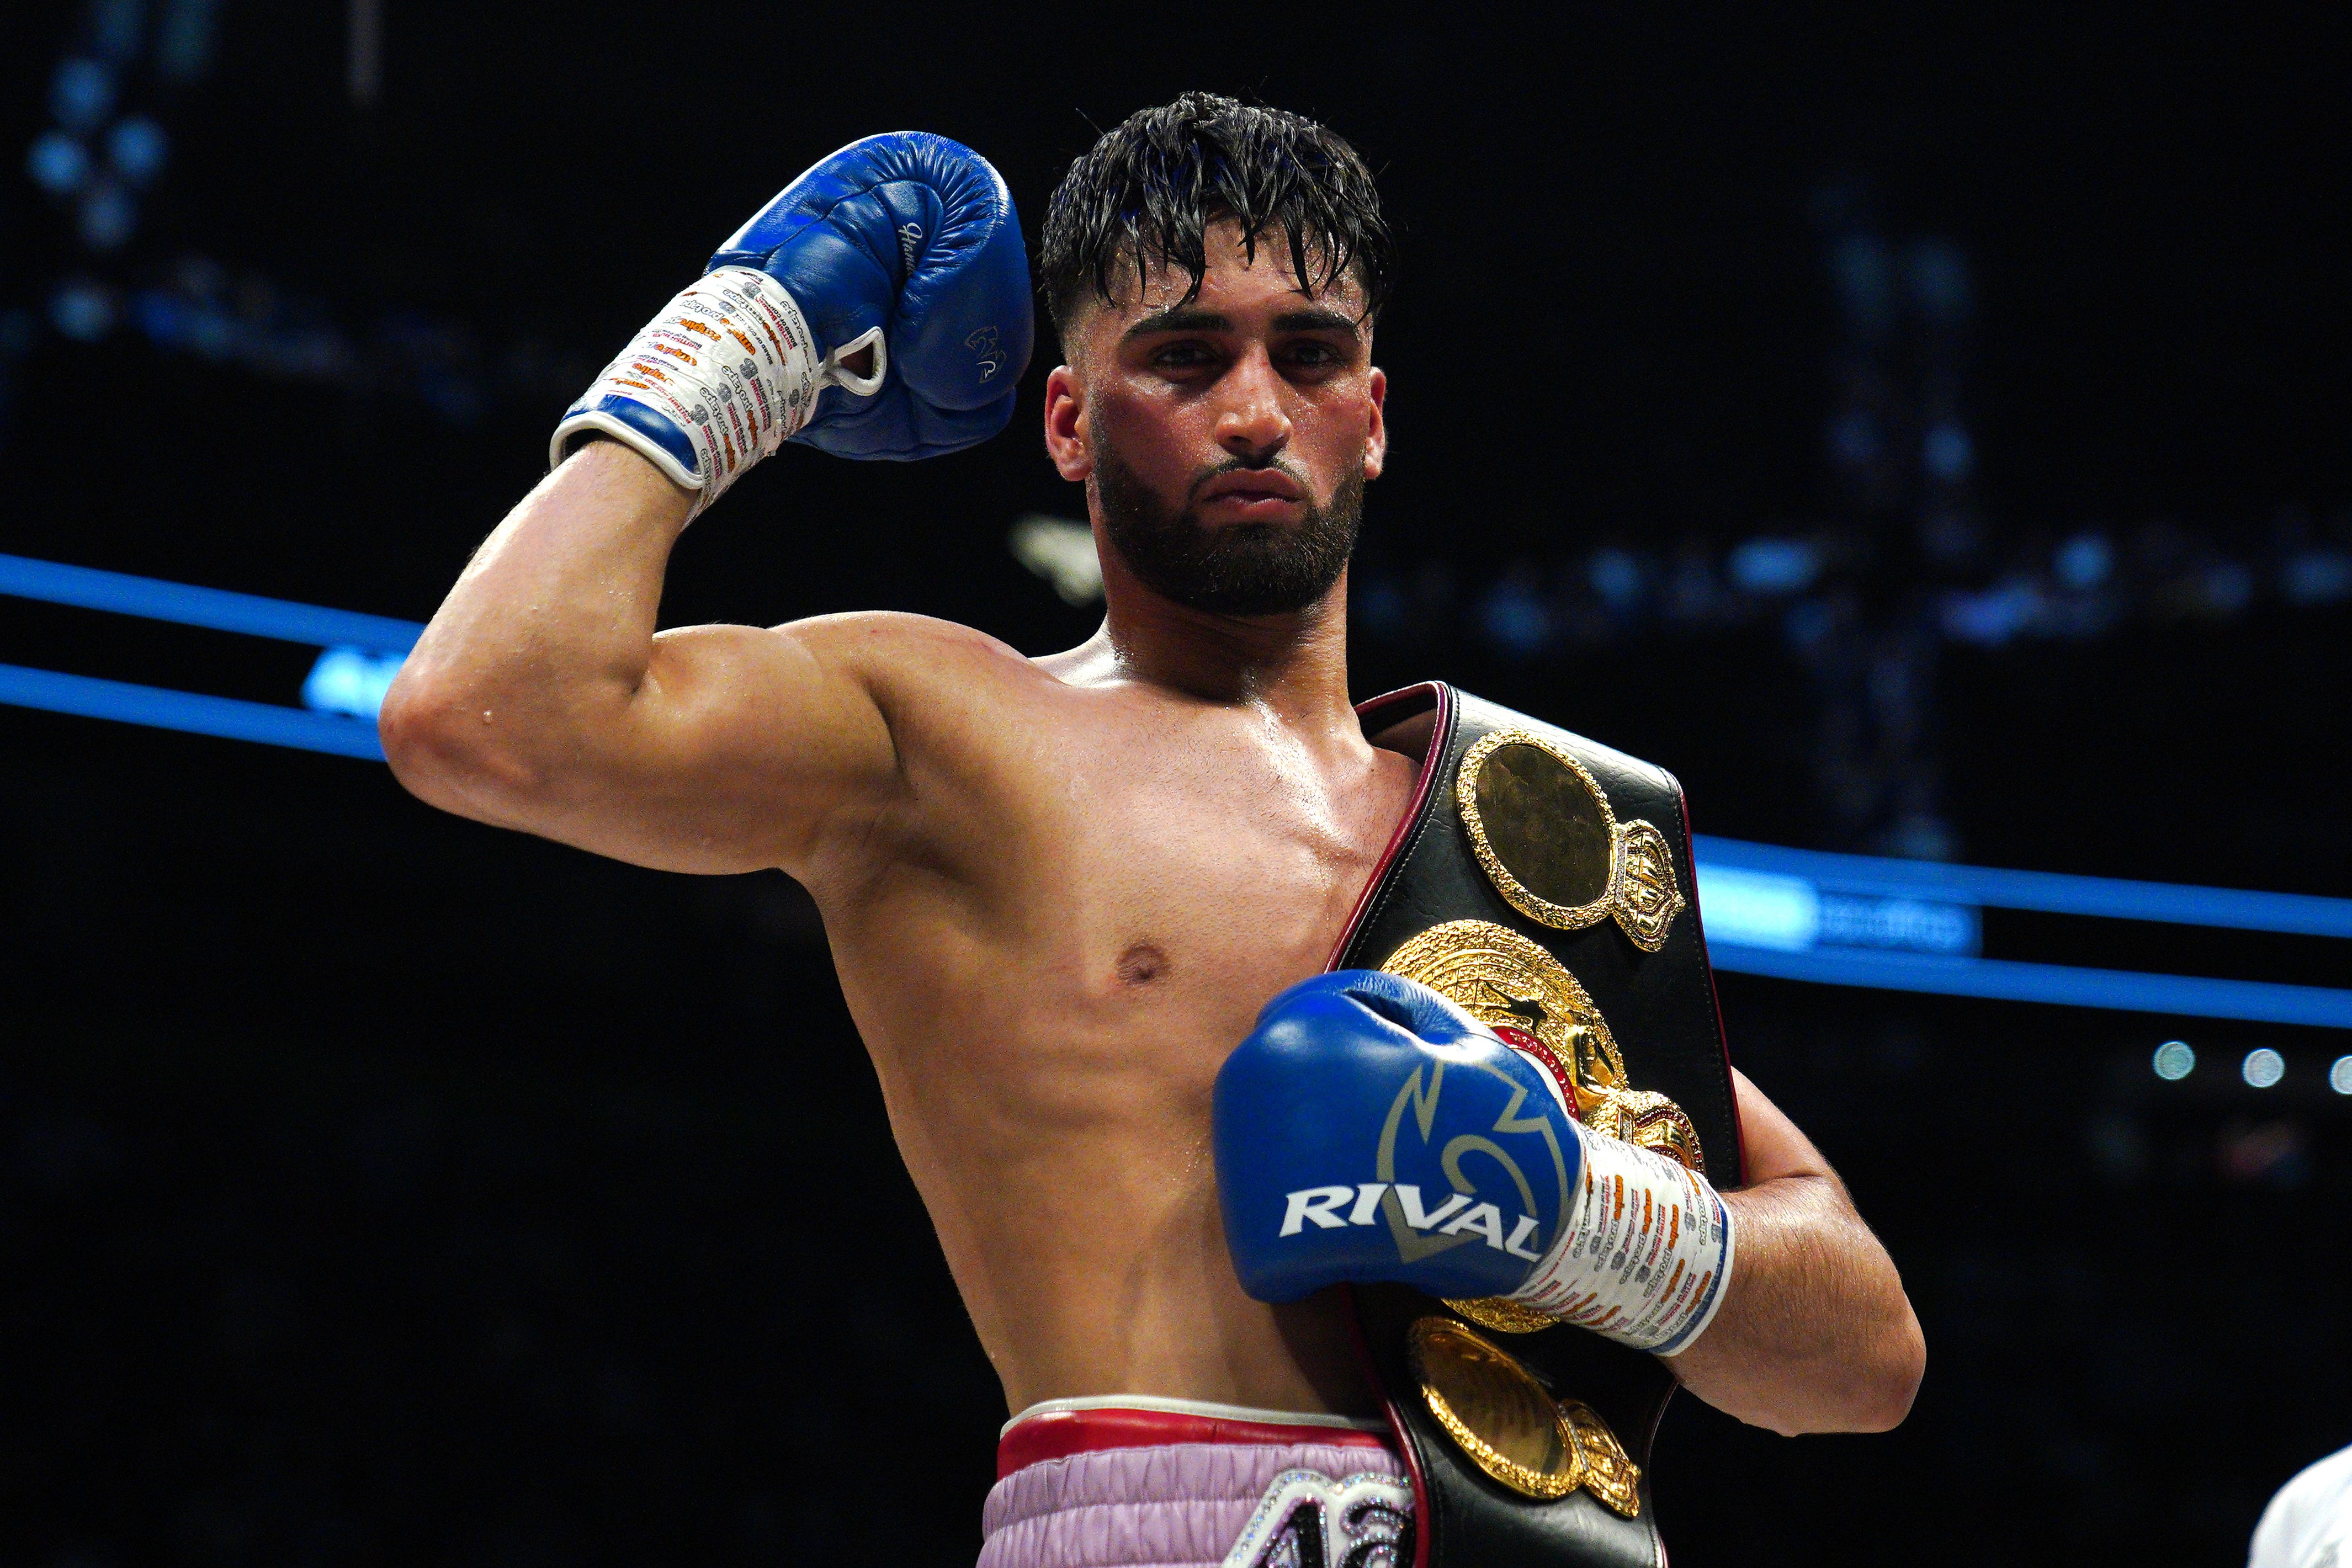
[(540, 697), (738, 750)]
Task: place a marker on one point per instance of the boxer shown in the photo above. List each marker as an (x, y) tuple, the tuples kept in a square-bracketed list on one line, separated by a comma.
[(1061, 891)]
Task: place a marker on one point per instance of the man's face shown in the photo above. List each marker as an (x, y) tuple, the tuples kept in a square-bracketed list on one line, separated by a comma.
[(1224, 442)]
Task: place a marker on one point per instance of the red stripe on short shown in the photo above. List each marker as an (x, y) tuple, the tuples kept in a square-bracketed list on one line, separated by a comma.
[(1058, 1434)]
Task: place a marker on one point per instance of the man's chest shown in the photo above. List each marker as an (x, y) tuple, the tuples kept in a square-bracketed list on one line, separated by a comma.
[(1239, 877), (1096, 906), (1107, 863)]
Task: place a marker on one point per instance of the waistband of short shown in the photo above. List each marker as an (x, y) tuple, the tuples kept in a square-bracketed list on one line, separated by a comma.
[(1057, 1428)]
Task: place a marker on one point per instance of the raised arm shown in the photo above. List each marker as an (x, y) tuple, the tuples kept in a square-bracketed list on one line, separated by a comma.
[(878, 307), (1815, 1334), (541, 698)]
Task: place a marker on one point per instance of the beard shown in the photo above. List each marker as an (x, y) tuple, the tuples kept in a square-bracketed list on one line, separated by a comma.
[(1244, 569)]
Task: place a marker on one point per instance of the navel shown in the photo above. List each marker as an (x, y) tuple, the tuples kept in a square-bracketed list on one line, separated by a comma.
[(1141, 964)]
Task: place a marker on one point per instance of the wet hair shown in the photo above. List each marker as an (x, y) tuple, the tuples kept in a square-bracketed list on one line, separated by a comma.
[(1151, 187)]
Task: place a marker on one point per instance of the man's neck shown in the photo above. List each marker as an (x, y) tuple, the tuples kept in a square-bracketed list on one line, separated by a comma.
[(1294, 665)]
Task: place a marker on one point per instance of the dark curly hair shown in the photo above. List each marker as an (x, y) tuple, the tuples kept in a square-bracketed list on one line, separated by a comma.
[(1151, 187)]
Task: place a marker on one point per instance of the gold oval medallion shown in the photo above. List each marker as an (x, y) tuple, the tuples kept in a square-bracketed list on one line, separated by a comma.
[(1545, 834), (1494, 1407), (1546, 823)]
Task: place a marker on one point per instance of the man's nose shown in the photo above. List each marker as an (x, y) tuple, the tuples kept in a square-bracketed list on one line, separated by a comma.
[(1252, 424)]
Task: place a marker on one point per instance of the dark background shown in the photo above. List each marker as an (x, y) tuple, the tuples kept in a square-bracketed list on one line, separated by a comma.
[(378, 1187)]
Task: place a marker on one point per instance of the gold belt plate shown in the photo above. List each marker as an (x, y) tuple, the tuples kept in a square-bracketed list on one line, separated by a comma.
[(1510, 1426), (1545, 834)]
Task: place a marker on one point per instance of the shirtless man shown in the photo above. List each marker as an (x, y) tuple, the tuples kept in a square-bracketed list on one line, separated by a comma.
[(1058, 890)]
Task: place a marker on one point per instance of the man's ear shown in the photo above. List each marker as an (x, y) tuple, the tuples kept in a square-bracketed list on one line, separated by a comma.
[(1067, 440), (1376, 434)]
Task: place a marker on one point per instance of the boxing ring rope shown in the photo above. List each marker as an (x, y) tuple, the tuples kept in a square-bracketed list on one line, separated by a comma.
[(1769, 910), (2059, 985), (151, 599), (1776, 911), (231, 718), (348, 637)]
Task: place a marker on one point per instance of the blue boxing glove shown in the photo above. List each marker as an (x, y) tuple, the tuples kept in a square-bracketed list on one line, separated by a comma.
[(909, 243), (878, 308), (1368, 1129)]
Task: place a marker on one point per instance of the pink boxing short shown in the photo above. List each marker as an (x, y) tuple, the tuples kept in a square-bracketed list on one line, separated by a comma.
[(1135, 1482)]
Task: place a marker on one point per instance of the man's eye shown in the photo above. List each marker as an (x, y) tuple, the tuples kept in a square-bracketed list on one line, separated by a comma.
[(1183, 357), (1312, 355)]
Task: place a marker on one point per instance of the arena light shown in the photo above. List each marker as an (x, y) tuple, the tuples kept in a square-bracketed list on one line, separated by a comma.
[(58, 163), (350, 681), (1062, 553), (82, 93), (2263, 1068), (136, 148), (83, 309), (1774, 566)]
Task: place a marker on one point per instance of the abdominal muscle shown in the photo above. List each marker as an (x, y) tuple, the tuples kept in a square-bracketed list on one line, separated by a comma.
[(1077, 1208)]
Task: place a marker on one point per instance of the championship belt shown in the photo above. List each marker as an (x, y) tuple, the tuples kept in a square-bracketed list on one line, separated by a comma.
[(1543, 883)]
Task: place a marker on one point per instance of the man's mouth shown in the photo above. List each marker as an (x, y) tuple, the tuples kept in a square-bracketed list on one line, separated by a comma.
[(1253, 494)]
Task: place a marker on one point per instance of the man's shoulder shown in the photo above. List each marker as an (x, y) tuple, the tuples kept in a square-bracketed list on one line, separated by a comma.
[(940, 686), (890, 643)]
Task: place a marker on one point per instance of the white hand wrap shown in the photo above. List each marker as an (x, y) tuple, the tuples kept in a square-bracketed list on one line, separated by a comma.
[(728, 364), (1644, 1258)]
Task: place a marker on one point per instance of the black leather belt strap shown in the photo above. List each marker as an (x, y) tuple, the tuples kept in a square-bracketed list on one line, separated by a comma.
[(1661, 1009)]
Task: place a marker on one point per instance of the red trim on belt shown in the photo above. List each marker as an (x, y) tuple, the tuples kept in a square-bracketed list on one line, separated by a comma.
[(1058, 1434), (1429, 758)]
